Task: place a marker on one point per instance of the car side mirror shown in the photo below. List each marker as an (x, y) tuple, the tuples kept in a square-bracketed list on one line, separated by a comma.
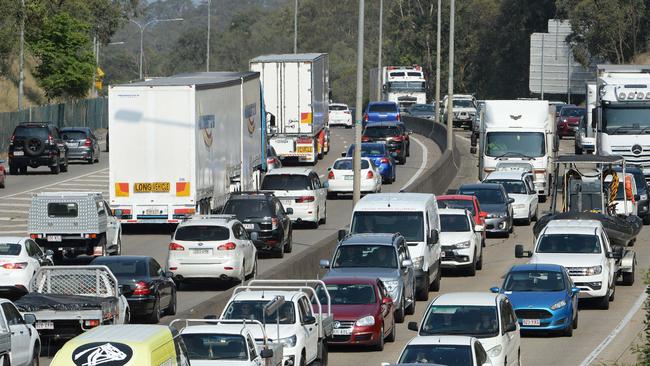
[(511, 200), (309, 320), (266, 353), (324, 263), (494, 290), (511, 327), (575, 290), (407, 263), (30, 319), (288, 211), (386, 301), (434, 237), (479, 228), (521, 253), (343, 154), (342, 233), (413, 326)]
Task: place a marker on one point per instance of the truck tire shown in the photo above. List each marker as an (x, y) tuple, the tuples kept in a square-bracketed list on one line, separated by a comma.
[(6, 361), (435, 285), (603, 303), (628, 278), (323, 353)]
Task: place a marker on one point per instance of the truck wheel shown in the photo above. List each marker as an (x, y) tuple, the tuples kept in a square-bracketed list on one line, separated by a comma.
[(628, 278), (37, 351), (603, 303), (435, 285), (613, 295), (323, 353), (422, 293), (411, 309)]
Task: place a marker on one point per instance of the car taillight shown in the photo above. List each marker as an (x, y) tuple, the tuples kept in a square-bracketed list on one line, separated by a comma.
[(50, 139), (305, 199), (175, 246), (365, 138), (274, 223), (369, 175), (91, 323), (12, 139), (398, 138), (385, 161), (399, 117), (18, 265), (270, 160), (88, 142), (330, 175), (142, 288), (365, 117), (227, 246)]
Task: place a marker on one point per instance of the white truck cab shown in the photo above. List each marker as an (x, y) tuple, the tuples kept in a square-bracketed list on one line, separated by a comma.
[(583, 247), (415, 216)]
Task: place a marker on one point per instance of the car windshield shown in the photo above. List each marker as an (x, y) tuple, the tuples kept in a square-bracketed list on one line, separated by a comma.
[(406, 85), (381, 131), (470, 320), (569, 243), (347, 294), (346, 164), (369, 150), (515, 144), (213, 346), (246, 208), (439, 354), (453, 223), (124, 267), (382, 108), (10, 249), (511, 186), (338, 107), (40, 133), (485, 196), (572, 112), (364, 256), (254, 310), (422, 108), (462, 204), (463, 103), (73, 135), (202, 233), (409, 224), (286, 182), (540, 281)]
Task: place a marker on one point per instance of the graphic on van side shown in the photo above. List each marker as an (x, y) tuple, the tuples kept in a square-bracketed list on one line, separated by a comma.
[(102, 353)]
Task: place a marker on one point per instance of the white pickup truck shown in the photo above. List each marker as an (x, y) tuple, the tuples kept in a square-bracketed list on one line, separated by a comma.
[(583, 248), (285, 309), (229, 341)]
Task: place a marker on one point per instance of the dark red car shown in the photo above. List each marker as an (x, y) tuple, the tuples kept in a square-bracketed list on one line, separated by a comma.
[(363, 311), (568, 120), (469, 203)]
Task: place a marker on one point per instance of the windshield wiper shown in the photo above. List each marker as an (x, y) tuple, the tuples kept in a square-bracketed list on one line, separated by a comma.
[(622, 129), (511, 153)]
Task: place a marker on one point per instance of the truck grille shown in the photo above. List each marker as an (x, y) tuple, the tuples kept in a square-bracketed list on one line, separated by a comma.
[(577, 271), (631, 158), (532, 314)]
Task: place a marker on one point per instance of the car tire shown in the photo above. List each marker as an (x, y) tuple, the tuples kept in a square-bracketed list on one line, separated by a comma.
[(56, 169), (118, 249), (279, 253), (35, 357), (242, 274), (380, 343), (435, 285), (612, 297), (536, 216), (23, 170), (316, 223), (568, 331), (578, 151), (13, 170), (399, 312), (603, 302), (154, 317), (392, 335), (574, 324), (324, 219), (411, 309), (324, 353), (171, 309), (646, 219), (91, 160), (332, 195), (422, 293), (253, 273), (64, 166), (471, 269), (479, 263), (288, 246)]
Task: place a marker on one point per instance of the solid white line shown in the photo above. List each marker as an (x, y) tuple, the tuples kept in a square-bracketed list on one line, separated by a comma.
[(53, 184), (610, 337), (423, 165), (12, 232), (9, 204)]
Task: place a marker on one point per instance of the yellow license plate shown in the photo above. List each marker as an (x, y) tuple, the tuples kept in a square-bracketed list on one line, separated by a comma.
[(305, 149), (156, 187)]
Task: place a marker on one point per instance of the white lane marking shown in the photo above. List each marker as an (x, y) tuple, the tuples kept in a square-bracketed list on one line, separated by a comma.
[(12, 232), (16, 199), (15, 204), (14, 211), (423, 165), (15, 226), (53, 184), (610, 337)]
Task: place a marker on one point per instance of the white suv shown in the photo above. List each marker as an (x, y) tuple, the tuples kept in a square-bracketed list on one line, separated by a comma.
[(340, 114), (301, 190), (520, 186), (460, 239), (20, 258), (211, 246)]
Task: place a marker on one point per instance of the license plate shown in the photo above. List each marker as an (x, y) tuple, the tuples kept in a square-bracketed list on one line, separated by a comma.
[(530, 322), (345, 331), (54, 238), (305, 149), (349, 177), (155, 187), (249, 226), (44, 325), (18, 153), (72, 144), (201, 251), (151, 211), (281, 141)]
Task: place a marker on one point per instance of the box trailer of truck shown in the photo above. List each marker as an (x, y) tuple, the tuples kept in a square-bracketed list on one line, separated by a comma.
[(181, 144), (296, 95)]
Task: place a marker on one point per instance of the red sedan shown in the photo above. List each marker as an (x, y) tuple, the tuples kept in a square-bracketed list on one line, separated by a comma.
[(568, 120), (363, 311), (469, 203)]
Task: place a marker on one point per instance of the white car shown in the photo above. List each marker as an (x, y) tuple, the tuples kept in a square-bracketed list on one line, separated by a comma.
[(444, 350), (460, 239), (25, 341), (488, 317), (340, 114), (20, 258), (520, 187), (211, 246), (301, 190), (340, 177)]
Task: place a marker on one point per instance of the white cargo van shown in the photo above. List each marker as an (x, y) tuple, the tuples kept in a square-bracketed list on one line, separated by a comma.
[(415, 216)]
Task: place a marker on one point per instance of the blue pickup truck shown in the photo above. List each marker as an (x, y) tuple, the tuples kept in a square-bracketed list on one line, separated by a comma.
[(381, 112)]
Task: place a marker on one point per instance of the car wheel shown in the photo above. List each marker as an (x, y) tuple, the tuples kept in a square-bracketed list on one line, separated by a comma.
[(56, 169), (628, 278), (242, 274), (613, 295), (479, 263), (568, 331), (324, 219), (471, 269), (435, 285), (288, 247), (422, 293), (64, 166), (13, 170), (171, 309), (118, 249), (536, 216), (603, 303), (646, 219), (575, 321), (578, 151), (91, 159), (35, 356), (324, 353), (399, 313), (411, 309), (380, 342), (393, 331), (23, 170), (303, 362), (253, 273), (279, 253), (316, 222), (154, 318)]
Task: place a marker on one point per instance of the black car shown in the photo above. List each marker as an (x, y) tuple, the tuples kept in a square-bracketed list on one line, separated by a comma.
[(265, 220), (82, 144), (494, 200), (642, 199), (149, 290), (36, 144), (393, 134)]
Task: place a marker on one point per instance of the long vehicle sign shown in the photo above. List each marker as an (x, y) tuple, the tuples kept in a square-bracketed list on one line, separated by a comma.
[(155, 187)]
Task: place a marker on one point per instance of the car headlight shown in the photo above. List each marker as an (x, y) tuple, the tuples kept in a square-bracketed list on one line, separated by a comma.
[(558, 305), (497, 215), (495, 351), (643, 197), (391, 285), (462, 245), (417, 262), (289, 341), (366, 321), (595, 270)]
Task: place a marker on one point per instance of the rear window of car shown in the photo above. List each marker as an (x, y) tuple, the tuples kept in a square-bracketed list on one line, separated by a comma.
[(382, 131), (286, 182), (462, 204), (338, 108), (74, 135), (124, 267), (346, 164), (202, 233), (382, 108), (572, 112), (10, 249), (369, 150), (62, 209), (247, 208), (31, 132)]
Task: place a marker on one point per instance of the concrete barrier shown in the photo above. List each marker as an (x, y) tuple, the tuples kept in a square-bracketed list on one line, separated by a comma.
[(305, 264)]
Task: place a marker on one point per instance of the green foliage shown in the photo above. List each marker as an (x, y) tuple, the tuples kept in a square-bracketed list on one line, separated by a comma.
[(643, 350)]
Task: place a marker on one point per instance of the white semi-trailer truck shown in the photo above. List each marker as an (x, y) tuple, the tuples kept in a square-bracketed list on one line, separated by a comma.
[(296, 96), (404, 85), (181, 144)]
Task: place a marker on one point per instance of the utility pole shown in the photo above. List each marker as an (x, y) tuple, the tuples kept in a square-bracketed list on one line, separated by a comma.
[(295, 28), (437, 106), (207, 44), (142, 28), (381, 23), (357, 128), (21, 61), (450, 87)]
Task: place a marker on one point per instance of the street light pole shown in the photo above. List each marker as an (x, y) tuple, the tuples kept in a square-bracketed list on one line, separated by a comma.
[(437, 106), (381, 23), (142, 28), (357, 128), (450, 87), (295, 28), (21, 61), (207, 52)]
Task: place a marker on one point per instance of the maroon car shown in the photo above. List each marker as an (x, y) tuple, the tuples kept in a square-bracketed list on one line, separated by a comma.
[(363, 311), (568, 120)]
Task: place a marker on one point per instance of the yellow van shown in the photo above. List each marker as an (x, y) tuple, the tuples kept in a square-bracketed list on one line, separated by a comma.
[(124, 345)]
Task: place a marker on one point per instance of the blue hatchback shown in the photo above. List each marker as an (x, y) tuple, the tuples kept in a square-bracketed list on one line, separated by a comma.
[(381, 157), (381, 112), (543, 297)]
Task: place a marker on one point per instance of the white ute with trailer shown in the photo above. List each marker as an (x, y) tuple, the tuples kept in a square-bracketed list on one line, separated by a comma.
[(286, 311), (185, 143), (296, 97), (404, 85), (518, 131)]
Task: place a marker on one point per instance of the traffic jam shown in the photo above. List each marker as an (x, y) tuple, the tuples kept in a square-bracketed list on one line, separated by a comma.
[(244, 179)]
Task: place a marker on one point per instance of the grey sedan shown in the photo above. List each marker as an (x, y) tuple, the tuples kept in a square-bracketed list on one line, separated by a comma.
[(82, 144)]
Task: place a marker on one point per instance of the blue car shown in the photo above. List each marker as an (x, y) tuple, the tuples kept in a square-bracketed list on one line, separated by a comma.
[(382, 158), (543, 297), (381, 112)]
